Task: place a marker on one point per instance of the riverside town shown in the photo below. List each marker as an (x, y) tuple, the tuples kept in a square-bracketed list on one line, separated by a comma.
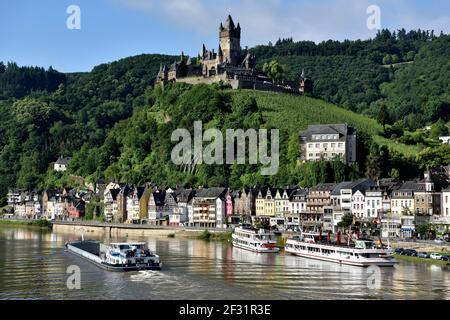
[(387, 207), (230, 151)]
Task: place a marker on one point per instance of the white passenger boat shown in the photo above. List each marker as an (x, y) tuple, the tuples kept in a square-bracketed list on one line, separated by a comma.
[(116, 256), (362, 253), (254, 240)]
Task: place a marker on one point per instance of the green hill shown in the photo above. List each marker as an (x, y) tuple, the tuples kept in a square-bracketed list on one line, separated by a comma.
[(115, 125), (293, 113)]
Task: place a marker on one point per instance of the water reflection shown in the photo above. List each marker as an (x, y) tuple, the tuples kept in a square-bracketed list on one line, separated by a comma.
[(33, 264)]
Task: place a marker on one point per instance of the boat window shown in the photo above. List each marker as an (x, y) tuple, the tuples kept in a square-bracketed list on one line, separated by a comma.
[(124, 247)]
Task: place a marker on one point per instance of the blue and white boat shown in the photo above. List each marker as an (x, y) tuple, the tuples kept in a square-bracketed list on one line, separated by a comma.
[(132, 256)]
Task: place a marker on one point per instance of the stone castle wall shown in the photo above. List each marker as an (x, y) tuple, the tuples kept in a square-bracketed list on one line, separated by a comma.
[(237, 83)]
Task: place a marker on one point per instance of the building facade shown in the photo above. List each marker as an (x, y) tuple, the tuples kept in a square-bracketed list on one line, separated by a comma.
[(326, 142)]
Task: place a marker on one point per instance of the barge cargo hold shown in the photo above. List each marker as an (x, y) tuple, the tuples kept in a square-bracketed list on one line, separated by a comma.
[(120, 257)]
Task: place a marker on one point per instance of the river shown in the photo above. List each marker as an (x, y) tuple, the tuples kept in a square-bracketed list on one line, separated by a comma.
[(33, 265)]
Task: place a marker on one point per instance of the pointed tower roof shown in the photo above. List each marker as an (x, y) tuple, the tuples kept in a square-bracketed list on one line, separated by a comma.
[(229, 24)]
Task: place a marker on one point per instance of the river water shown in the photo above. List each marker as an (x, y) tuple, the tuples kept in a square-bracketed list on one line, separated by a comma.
[(33, 265)]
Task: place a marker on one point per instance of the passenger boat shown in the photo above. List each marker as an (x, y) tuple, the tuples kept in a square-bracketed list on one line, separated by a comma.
[(133, 256), (361, 252), (257, 240)]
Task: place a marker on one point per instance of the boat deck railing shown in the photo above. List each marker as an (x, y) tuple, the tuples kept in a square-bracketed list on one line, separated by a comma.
[(335, 244)]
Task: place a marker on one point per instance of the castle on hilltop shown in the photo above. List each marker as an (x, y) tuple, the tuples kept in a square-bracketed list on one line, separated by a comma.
[(230, 64)]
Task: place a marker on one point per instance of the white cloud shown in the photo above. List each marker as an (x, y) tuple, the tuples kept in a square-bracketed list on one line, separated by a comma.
[(267, 20)]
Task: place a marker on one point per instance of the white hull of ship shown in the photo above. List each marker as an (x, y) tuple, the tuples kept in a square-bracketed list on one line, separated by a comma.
[(258, 249), (342, 259)]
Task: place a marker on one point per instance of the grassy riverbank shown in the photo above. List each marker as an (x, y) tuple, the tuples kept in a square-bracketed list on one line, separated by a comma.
[(422, 260), (210, 236), (32, 223)]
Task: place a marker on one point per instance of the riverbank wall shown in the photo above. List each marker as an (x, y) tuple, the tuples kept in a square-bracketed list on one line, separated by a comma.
[(125, 231)]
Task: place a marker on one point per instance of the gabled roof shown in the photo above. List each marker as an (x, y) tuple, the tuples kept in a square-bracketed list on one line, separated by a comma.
[(183, 195), (62, 161), (159, 197), (324, 187), (342, 129), (298, 193), (212, 193), (408, 186), (114, 193), (337, 189), (360, 185)]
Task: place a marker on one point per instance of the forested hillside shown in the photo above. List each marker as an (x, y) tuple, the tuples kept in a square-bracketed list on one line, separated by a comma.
[(115, 125), (356, 74)]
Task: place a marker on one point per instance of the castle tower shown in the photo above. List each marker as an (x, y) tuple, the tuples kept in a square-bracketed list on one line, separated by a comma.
[(230, 41)]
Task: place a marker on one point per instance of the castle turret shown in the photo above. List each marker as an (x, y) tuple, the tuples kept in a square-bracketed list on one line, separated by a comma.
[(220, 54), (230, 41)]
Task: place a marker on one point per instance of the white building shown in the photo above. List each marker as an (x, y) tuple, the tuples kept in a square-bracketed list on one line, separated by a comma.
[(220, 213), (133, 203), (297, 201), (445, 201), (326, 142), (445, 140), (374, 203), (110, 201), (184, 207), (336, 205), (61, 164), (358, 204)]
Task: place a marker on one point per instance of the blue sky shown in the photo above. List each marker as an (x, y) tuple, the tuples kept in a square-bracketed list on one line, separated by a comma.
[(35, 33)]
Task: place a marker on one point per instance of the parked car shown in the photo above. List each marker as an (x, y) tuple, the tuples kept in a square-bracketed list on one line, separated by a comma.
[(399, 250), (439, 240), (424, 255), (409, 253), (446, 258), (436, 256)]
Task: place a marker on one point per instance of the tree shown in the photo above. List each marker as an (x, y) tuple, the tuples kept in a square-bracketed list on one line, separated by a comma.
[(395, 59), (410, 56), (275, 71), (434, 157), (378, 162), (439, 129), (387, 59), (395, 174), (383, 116), (346, 221)]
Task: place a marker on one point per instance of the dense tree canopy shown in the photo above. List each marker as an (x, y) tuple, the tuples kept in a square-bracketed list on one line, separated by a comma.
[(116, 125)]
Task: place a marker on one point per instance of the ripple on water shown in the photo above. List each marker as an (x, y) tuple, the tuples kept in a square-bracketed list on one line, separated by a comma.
[(33, 266)]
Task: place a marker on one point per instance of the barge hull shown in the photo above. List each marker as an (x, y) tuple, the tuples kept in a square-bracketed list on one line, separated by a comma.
[(95, 259)]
